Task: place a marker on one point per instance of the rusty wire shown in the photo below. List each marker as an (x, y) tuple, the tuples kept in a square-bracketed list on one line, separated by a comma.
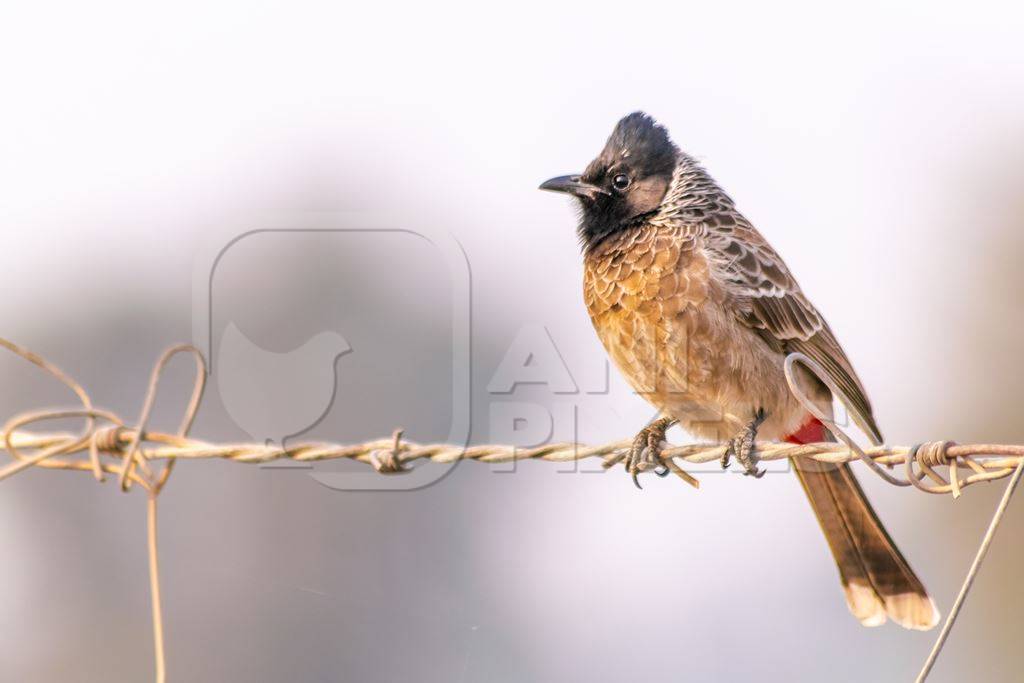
[(108, 445)]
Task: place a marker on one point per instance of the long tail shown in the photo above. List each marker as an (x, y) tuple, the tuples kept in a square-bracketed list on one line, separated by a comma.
[(876, 578)]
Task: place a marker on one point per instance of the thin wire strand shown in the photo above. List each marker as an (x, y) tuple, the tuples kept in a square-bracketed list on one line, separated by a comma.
[(972, 573), (154, 588)]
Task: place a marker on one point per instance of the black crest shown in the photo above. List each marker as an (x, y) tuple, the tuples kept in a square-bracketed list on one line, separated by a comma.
[(643, 141), (634, 170)]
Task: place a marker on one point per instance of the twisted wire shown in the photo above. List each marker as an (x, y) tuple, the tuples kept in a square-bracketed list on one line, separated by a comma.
[(134, 454), (985, 462)]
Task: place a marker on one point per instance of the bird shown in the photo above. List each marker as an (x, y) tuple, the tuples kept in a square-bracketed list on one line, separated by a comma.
[(698, 312)]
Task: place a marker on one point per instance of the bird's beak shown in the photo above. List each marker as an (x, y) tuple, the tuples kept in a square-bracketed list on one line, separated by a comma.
[(571, 184)]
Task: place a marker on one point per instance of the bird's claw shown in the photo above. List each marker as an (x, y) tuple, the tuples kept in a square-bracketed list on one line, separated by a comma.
[(645, 453), (743, 447)]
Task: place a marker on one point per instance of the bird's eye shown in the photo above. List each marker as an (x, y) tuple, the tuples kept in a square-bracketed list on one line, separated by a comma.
[(620, 182)]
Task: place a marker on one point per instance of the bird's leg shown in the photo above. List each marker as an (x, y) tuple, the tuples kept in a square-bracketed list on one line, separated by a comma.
[(645, 453), (742, 446)]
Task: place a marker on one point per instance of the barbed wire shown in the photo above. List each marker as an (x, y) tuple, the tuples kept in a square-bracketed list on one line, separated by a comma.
[(968, 463), (107, 445)]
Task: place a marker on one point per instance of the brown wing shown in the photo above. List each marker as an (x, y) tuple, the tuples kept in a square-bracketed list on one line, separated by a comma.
[(770, 301)]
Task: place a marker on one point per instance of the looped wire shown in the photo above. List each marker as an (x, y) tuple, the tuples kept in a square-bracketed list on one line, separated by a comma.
[(57, 449), (49, 456), (389, 461), (934, 453), (928, 456), (108, 439), (104, 440), (815, 368), (133, 455), (98, 439)]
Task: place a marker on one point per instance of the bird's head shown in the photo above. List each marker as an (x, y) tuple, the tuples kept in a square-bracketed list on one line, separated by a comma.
[(627, 180)]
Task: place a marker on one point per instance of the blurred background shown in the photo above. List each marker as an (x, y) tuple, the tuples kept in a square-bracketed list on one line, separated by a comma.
[(878, 147)]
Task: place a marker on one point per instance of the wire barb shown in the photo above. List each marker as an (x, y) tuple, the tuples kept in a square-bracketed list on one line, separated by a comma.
[(389, 461)]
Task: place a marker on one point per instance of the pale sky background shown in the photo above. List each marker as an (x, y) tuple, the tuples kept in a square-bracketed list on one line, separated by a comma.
[(878, 147)]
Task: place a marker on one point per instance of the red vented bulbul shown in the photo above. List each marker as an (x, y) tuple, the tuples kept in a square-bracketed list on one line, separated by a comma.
[(699, 312)]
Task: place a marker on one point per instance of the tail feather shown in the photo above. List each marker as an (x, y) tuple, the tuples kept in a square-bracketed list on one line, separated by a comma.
[(877, 580)]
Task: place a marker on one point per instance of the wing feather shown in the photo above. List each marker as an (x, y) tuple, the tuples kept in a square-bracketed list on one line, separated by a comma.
[(769, 301)]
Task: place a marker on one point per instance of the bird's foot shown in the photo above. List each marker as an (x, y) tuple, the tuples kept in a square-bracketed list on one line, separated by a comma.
[(645, 453), (742, 446)]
